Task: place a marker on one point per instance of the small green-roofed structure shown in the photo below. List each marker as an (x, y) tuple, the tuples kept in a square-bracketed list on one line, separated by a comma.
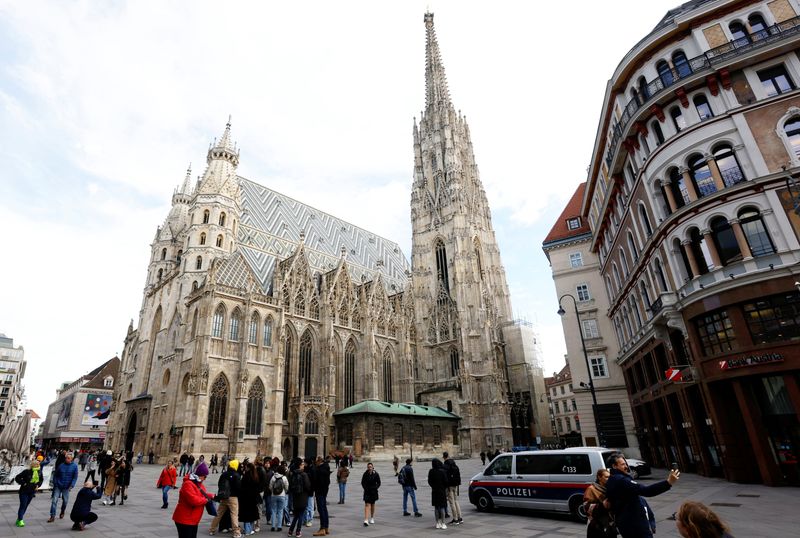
[(386, 408)]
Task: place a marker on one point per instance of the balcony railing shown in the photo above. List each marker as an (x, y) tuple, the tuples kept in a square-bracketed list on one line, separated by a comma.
[(656, 306), (707, 60)]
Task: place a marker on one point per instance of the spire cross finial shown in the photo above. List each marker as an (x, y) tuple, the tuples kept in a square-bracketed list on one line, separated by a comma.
[(229, 121)]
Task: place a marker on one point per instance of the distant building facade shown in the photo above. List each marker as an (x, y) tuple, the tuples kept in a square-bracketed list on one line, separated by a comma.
[(564, 415), (12, 370), (78, 418)]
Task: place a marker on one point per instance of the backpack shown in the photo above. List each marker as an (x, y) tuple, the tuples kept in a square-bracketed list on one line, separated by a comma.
[(401, 477), (453, 474), (277, 485), (296, 484), (224, 487)]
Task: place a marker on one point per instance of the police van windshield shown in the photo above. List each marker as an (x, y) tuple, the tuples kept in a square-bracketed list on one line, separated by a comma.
[(501, 465)]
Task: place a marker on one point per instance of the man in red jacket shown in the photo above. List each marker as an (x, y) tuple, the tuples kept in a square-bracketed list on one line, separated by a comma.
[(192, 499), (166, 482)]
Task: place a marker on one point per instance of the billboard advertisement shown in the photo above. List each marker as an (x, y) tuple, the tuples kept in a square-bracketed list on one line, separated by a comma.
[(64, 412), (96, 410)]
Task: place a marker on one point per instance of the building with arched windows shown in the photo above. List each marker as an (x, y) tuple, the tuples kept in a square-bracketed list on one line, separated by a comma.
[(262, 317), (692, 201)]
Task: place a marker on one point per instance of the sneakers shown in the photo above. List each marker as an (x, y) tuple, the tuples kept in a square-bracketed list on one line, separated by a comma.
[(460, 521), (417, 514), (366, 523), (212, 533), (406, 514), (299, 534), (309, 523), (453, 521), (438, 525), (20, 523), (372, 521)]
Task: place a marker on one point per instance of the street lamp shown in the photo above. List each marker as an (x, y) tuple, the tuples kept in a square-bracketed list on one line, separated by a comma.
[(561, 312)]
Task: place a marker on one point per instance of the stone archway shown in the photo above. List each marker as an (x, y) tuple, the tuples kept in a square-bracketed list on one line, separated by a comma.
[(130, 435), (286, 450)]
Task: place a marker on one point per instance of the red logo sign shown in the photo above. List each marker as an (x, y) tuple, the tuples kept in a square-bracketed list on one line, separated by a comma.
[(674, 374)]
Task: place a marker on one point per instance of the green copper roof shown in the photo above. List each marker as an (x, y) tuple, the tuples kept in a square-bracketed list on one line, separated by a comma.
[(385, 408)]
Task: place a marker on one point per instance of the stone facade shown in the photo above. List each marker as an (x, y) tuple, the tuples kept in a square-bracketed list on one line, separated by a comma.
[(262, 316), (12, 370)]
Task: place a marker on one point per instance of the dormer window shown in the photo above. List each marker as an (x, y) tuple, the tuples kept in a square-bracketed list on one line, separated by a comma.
[(108, 382), (574, 223)]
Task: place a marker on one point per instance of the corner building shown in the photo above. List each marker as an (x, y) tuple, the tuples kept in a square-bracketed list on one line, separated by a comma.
[(265, 322), (692, 198)]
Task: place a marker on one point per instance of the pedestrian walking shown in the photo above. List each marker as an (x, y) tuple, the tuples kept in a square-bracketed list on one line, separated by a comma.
[(437, 480), (623, 493), (201, 459), (371, 482), (228, 497), (29, 480), (396, 464), (64, 478), (83, 459), (91, 469), (696, 520), (300, 490), (139, 457), (214, 464), (249, 499), (151, 457), (453, 482), (341, 478), (123, 481), (278, 488), (111, 483), (192, 499), (322, 482), (350, 459), (600, 524), (406, 479), (190, 464), (308, 515), (183, 460), (81, 513), (483, 458), (167, 481)]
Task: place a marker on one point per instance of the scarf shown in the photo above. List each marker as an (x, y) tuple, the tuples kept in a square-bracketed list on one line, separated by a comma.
[(601, 489), (35, 475)]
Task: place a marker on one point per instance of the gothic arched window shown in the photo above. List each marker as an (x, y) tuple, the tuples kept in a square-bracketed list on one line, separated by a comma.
[(387, 376), (454, 364), (219, 240), (222, 219), (206, 216), (217, 405), (252, 336), (198, 263), (194, 323), (312, 424), (287, 353), (306, 348), (268, 332), (441, 265), (255, 408), (343, 314), (235, 323), (355, 319), (217, 322), (350, 374), (164, 254), (300, 304), (313, 309)]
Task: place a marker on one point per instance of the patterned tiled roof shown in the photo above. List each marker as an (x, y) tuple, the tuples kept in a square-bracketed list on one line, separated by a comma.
[(270, 229)]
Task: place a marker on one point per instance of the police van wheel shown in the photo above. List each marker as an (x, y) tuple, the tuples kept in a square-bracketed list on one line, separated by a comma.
[(576, 509), (484, 502)]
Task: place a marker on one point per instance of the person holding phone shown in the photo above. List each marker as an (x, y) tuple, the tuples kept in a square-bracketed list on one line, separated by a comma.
[(623, 495)]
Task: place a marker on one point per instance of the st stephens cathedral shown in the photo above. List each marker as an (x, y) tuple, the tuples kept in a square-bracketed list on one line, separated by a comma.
[(267, 326)]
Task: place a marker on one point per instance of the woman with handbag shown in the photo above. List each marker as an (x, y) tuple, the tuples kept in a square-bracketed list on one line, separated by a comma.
[(166, 482), (192, 499)]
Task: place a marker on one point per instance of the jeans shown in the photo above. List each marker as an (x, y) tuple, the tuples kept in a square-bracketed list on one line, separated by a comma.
[(408, 490), (24, 500), (164, 496), (452, 500), (59, 493), (297, 521), (277, 504), (322, 508), (308, 515), (247, 527), (342, 486)]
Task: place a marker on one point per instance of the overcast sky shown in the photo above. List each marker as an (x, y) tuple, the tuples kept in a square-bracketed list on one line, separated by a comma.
[(104, 104)]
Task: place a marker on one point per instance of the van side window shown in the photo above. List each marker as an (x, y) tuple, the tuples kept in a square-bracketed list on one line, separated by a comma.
[(571, 464), (532, 464), (501, 465)]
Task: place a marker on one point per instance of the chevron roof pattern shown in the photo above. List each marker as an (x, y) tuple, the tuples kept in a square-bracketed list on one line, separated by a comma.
[(270, 228)]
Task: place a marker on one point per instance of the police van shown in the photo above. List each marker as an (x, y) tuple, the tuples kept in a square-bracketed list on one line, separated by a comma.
[(552, 480)]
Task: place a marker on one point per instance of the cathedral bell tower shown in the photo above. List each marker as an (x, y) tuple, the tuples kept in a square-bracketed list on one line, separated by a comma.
[(459, 284)]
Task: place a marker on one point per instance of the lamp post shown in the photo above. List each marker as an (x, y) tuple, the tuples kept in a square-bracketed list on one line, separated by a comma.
[(561, 312)]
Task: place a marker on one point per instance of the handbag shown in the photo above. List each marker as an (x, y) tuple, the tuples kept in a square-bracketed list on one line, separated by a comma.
[(211, 508)]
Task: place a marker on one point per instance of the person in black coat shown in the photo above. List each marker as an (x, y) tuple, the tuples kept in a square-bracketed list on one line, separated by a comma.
[(123, 481), (301, 490), (623, 495), (29, 481), (437, 480), (370, 481), (81, 514), (406, 479), (322, 481), (249, 498)]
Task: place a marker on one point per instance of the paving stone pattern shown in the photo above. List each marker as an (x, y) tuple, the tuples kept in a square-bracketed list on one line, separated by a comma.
[(750, 510)]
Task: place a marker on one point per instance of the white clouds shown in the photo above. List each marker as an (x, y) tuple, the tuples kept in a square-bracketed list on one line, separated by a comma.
[(110, 101)]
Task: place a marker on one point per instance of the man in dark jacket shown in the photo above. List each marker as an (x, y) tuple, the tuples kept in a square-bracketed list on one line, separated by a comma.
[(322, 481), (64, 478), (406, 479), (453, 481), (623, 494), (184, 460), (228, 496), (82, 514)]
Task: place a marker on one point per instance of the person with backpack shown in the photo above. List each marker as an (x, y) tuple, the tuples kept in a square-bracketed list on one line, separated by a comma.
[(341, 478), (322, 481), (406, 479), (29, 481), (228, 497), (166, 482), (370, 481), (300, 489), (278, 488), (453, 481)]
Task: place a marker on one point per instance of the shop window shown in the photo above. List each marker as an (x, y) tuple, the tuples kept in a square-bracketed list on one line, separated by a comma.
[(774, 319), (716, 333), (775, 80)]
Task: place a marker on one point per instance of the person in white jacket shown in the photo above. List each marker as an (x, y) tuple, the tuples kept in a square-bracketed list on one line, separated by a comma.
[(278, 486)]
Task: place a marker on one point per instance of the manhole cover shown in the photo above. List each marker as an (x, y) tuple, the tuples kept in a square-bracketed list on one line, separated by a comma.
[(730, 505), (753, 495)]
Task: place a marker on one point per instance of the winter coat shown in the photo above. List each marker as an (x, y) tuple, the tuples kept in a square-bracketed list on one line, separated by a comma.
[(342, 474), (408, 476), (111, 481), (124, 475), (168, 477), (370, 481), (275, 477), (249, 499), (299, 502), (184, 458), (192, 500), (453, 472), (65, 476), (83, 503), (91, 466), (322, 479), (623, 493), (234, 481), (601, 523), (437, 480), (24, 480)]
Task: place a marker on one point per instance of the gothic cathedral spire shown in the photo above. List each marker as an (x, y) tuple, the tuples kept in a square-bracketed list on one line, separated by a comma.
[(460, 293)]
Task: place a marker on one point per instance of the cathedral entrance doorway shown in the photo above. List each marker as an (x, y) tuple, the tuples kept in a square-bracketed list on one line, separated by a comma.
[(131, 433), (311, 447)]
